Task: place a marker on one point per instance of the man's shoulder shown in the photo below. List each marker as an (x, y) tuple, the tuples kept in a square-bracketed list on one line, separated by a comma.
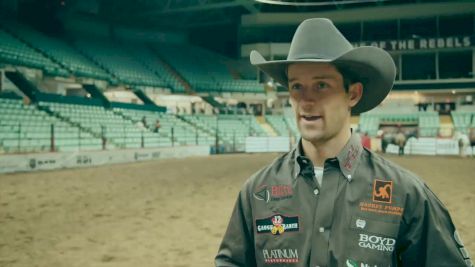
[(394, 171)]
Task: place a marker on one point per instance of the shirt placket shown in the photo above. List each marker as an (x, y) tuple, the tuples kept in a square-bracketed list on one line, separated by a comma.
[(323, 217)]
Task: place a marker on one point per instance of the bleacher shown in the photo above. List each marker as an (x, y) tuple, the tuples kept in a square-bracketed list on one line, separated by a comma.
[(59, 51), (427, 122), (112, 57), (16, 52), (231, 129), (171, 127), (204, 71), (24, 128), (463, 120), (101, 122), (118, 61), (148, 58), (369, 123), (279, 124)]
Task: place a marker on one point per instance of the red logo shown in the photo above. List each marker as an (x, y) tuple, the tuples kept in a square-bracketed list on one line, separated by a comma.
[(278, 191)]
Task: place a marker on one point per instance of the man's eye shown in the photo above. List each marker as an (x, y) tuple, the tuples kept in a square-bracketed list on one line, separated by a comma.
[(321, 85), (295, 86)]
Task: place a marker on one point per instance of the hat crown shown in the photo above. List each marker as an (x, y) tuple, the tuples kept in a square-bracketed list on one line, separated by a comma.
[(318, 38)]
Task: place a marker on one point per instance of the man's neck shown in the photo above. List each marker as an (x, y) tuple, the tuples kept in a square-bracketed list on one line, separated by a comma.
[(319, 152)]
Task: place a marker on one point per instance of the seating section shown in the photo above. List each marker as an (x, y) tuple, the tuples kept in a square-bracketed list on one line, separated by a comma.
[(149, 59), (120, 61), (279, 124), (289, 118), (59, 51), (24, 128), (428, 122), (118, 131), (463, 120), (231, 129), (16, 52), (112, 57), (171, 127), (369, 123), (203, 70)]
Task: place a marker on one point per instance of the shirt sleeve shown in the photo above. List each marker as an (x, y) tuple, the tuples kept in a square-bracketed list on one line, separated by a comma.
[(428, 237), (237, 247)]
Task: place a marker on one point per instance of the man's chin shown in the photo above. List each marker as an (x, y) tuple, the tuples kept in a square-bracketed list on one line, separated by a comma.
[(311, 137)]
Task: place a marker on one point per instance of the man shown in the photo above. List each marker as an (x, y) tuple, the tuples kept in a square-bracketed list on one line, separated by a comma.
[(329, 202)]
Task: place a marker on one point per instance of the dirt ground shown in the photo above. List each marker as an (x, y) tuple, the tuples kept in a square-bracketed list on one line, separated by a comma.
[(162, 213)]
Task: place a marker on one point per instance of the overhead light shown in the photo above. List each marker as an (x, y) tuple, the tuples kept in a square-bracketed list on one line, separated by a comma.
[(315, 3), (453, 92)]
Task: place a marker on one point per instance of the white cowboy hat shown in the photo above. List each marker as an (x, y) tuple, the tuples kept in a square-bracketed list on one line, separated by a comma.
[(318, 40)]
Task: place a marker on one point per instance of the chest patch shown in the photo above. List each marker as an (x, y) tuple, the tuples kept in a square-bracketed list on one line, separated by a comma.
[(277, 224)]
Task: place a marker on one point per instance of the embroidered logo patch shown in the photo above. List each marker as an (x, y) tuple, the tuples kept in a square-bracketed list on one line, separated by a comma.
[(277, 224), (262, 193), (279, 256), (360, 223), (382, 191), (273, 192), (375, 242)]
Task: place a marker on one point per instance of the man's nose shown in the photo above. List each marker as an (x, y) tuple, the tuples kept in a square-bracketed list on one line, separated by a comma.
[(306, 95)]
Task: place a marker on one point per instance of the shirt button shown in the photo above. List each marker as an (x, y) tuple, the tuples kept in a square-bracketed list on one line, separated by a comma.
[(321, 229), (316, 191)]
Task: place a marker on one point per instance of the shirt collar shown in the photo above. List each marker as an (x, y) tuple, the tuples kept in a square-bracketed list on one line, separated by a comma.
[(348, 158)]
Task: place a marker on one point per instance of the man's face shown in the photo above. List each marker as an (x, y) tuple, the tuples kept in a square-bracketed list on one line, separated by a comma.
[(319, 100)]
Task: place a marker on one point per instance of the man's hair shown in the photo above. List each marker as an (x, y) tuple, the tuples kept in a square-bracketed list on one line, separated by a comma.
[(349, 76)]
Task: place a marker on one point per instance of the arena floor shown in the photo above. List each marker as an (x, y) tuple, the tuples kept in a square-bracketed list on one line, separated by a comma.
[(163, 213)]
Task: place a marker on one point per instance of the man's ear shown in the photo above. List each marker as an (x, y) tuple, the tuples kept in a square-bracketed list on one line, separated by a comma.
[(355, 92)]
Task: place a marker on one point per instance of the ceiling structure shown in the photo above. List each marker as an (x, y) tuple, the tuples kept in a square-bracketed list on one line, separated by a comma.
[(189, 14)]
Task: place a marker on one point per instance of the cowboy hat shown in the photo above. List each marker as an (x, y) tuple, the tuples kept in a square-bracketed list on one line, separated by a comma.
[(318, 40)]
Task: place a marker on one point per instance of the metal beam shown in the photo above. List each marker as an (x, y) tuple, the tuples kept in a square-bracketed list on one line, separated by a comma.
[(249, 5), (195, 8)]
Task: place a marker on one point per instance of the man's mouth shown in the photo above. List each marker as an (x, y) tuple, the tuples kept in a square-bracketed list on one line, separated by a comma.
[(310, 117)]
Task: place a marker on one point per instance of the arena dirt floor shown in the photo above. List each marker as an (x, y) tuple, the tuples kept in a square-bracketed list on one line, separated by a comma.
[(162, 213)]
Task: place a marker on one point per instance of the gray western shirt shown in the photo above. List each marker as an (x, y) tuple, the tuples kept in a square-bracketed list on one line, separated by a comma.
[(369, 212)]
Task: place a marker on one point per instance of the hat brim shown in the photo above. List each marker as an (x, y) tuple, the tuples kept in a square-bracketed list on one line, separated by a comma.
[(374, 67)]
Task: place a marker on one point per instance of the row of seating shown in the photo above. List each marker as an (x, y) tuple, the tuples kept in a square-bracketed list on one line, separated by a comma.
[(279, 124), (24, 128), (427, 122), (120, 61), (171, 127), (231, 130), (72, 127), (14, 51), (463, 120), (57, 50)]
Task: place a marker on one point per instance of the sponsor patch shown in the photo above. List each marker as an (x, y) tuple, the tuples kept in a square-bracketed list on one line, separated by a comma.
[(288, 255), (351, 156), (381, 209), (277, 224), (360, 223), (382, 191), (375, 242), (273, 192), (262, 193)]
